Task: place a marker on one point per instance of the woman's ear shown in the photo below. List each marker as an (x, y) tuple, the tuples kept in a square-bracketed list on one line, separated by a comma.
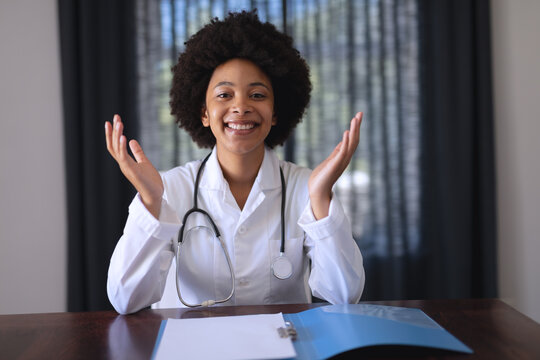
[(204, 117), (274, 119)]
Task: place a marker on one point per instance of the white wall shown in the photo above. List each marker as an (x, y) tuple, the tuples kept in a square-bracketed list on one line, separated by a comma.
[(32, 195), (516, 60), (32, 207)]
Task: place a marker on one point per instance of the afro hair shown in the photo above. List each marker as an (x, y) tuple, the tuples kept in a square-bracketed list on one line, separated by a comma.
[(240, 35)]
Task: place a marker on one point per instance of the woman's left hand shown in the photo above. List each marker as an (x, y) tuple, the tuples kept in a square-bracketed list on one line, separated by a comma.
[(325, 175)]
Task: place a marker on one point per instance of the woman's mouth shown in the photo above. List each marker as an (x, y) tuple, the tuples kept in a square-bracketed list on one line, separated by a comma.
[(240, 126)]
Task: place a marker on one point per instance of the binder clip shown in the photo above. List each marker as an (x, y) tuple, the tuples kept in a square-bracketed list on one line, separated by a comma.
[(288, 331)]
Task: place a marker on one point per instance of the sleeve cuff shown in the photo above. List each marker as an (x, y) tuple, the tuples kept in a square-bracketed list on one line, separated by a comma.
[(324, 227), (164, 229)]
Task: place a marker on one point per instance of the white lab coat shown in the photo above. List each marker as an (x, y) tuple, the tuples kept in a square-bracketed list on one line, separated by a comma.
[(326, 261)]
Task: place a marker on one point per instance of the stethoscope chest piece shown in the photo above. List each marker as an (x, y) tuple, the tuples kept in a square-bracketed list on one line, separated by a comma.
[(282, 267)]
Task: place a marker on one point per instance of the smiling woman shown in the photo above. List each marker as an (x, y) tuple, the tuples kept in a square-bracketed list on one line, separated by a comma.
[(239, 109), (240, 101)]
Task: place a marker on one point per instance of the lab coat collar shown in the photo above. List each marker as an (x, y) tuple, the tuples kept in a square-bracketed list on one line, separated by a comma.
[(268, 177)]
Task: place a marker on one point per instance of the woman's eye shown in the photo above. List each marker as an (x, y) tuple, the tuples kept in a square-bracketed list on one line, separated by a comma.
[(258, 96), (223, 95)]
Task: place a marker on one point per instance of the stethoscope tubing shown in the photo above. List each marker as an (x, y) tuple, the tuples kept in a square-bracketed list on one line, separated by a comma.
[(196, 209), (207, 302)]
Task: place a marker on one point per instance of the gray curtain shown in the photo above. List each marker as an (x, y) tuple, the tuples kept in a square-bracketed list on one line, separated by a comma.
[(98, 80), (459, 238)]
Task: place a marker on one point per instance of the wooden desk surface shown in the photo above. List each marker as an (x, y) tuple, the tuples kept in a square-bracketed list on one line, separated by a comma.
[(491, 328)]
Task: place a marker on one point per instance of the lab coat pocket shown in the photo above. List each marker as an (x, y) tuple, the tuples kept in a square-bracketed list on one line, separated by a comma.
[(290, 289)]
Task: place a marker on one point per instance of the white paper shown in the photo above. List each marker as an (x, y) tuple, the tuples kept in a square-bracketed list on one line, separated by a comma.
[(228, 337)]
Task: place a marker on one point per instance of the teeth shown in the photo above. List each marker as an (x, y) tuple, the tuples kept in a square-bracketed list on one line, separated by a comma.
[(241, 126)]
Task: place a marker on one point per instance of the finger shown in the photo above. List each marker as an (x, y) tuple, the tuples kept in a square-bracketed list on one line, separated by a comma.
[(350, 147), (108, 139), (137, 151), (355, 125), (359, 118), (113, 135), (116, 119), (345, 143), (122, 149), (354, 137), (124, 159), (117, 135)]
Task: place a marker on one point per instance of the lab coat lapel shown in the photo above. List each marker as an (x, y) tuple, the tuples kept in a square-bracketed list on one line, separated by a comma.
[(267, 181), (214, 182)]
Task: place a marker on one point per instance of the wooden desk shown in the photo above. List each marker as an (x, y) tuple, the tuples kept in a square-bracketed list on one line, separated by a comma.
[(491, 328)]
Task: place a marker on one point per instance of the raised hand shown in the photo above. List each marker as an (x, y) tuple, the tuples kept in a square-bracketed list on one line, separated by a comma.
[(325, 175), (139, 171)]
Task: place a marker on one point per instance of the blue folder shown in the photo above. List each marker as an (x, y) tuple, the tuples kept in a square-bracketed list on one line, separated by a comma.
[(327, 331)]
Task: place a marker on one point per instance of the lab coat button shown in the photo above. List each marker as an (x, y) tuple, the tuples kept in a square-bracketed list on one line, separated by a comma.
[(243, 282), (241, 229)]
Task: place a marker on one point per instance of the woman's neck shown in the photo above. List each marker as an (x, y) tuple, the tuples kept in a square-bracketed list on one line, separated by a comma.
[(240, 171)]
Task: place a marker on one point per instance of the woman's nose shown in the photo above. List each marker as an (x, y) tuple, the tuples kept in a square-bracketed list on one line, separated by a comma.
[(241, 105)]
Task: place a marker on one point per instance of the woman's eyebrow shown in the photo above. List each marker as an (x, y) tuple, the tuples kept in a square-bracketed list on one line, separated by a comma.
[(222, 83), (228, 83), (259, 84)]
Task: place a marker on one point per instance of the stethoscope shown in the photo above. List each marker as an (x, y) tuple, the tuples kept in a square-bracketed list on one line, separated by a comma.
[(281, 266)]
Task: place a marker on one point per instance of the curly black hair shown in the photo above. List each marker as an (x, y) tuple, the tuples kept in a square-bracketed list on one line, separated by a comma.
[(240, 35)]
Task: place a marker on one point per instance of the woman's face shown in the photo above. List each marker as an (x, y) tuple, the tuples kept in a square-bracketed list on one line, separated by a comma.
[(239, 107)]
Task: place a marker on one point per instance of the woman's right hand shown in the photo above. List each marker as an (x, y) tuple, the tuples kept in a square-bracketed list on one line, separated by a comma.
[(139, 171)]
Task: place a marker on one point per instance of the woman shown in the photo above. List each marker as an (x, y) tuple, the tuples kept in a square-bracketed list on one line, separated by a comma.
[(239, 88)]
